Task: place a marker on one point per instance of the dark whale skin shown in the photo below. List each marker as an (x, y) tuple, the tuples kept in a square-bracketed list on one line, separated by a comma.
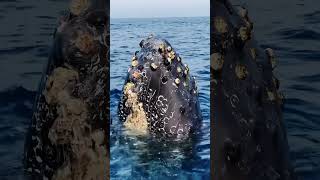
[(80, 49), (249, 136), (166, 89)]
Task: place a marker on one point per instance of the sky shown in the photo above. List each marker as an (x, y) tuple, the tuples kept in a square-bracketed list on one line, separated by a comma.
[(159, 8)]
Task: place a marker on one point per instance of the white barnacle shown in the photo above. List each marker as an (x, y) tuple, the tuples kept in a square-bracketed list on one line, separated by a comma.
[(134, 63), (153, 66), (177, 81), (179, 69), (38, 158)]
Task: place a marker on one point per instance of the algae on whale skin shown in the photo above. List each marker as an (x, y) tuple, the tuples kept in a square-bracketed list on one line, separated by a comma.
[(71, 128), (67, 137), (136, 120), (79, 6)]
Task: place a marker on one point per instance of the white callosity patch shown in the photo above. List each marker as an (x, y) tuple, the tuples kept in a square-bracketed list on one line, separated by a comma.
[(136, 120)]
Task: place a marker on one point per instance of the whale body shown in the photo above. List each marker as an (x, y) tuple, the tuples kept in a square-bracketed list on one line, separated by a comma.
[(160, 96), (249, 136), (67, 138)]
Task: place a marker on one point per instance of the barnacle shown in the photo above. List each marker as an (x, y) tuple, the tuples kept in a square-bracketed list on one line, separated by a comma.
[(217, 61), (220, 25), (85, 42), (78, 7), (241, 71)]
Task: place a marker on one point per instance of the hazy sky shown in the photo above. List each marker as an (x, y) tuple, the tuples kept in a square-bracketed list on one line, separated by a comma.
[(159, 8)]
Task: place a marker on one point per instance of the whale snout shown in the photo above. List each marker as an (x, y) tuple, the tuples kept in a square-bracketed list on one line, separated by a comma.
[(165, 91)]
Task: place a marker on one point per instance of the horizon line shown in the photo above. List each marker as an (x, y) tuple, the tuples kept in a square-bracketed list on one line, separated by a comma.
[(159, 17)]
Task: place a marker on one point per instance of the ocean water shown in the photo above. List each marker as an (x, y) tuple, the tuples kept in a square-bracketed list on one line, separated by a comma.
[(291, 27), (25, 39), (135, 157)]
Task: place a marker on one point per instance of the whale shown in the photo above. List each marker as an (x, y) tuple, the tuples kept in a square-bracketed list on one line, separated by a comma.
[(68, 133), (159, 96), (249, 138)]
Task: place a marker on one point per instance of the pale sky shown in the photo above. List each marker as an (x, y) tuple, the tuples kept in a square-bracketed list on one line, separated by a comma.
[(159, 8)]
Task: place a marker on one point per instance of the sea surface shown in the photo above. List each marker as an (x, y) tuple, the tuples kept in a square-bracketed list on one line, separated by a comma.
[(135, 157), (291, 27)]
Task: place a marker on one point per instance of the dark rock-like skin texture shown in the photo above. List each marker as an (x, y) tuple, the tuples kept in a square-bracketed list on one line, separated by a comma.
[(249, 136), (165, 88), (69, 128)]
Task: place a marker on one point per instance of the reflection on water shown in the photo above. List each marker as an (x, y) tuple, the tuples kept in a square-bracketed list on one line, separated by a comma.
[(142, 157)]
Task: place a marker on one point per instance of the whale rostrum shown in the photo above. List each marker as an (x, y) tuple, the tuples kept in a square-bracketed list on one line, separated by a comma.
[(159, 97)]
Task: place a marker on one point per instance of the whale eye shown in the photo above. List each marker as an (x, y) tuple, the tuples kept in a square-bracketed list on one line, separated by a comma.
[(164, 79)]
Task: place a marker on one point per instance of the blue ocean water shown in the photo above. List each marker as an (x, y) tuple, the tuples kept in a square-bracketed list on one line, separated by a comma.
[(143, 158), (291, 27)]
